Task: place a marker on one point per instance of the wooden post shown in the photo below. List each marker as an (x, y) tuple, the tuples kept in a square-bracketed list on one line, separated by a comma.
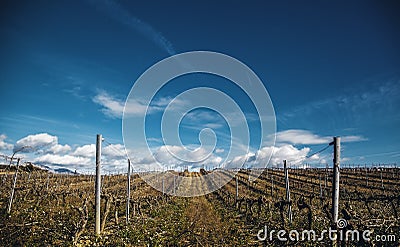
[(13, 188), (287, 191), (272, 185), (174, 184), (47, 181), (163, 188), (336, 176), (393, 171), (98, 182), (128, 191), (320, 187), (237, 191), (248, 182)]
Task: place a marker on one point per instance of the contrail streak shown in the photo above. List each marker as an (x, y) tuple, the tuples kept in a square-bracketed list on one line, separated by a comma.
[(118, 13)]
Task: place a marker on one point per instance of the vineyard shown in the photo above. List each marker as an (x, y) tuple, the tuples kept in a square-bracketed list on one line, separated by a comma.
[(58, 210)]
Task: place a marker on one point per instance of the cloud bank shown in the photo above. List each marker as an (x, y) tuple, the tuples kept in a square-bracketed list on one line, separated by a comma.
[(48, 151)]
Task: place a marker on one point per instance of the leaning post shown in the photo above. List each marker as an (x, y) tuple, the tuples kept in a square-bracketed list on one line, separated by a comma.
[(98, 183)]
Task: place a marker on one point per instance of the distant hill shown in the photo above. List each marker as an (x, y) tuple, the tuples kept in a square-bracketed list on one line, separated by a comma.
[(29, 167), (64, 171)]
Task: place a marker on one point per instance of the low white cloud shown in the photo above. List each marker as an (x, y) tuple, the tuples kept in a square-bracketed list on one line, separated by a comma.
[(45, 150), (114, 158), (154, 140), (88, 150), (42, 143), (271, 156), (114, 151), (3, 144), (60, 149), (82, 158), (305, 137), (345, 159), (288, 152), (56, 159), (36, 142), (239, 161), (163, 159), (164, 156)]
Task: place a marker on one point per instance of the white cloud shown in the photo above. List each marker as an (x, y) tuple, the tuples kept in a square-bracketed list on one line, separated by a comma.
[(88, 150), (208, 118), (285, 150), (155, 140), (345, 159), (42, 143), (259, 159), (213, 125), (288, 152), (379, 99), (36, 142), (4, 145), (162, 102), (83, 158), (305, 137), (353, 139), (198, 155), (56, 159), (50, 152), (114, 107), (162, 158), (238, 161), (203, 116), (60, 149), (114, 151)]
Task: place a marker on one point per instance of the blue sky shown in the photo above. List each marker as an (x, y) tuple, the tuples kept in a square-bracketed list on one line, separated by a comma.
[(331, 68)]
